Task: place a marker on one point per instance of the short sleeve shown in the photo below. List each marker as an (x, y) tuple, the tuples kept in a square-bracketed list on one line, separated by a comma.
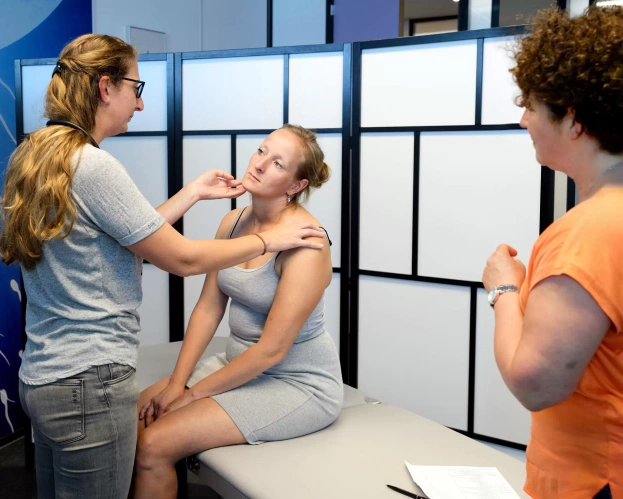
[(109, 197), (591, 253)]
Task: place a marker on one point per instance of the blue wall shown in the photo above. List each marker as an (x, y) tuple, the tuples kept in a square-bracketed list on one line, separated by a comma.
[(362, 20), (35, 29)]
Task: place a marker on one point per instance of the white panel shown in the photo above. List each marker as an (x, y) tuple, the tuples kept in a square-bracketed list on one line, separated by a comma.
[(479, 16), (326, 203), (35, 81), (499, 91), (154, 117), (299, 22), (332, 309), (386, 223), (145, 159), (246, 147), (414, 347), (477, 191), (421, 85), (316, 82), (202, 221), (154, 311), (497, 413), (233, 94)]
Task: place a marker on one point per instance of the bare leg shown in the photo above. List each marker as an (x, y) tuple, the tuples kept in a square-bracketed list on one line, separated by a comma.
[(199, 426)]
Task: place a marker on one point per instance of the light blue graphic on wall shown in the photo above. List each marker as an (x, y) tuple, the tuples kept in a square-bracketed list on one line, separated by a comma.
[(29, 29)]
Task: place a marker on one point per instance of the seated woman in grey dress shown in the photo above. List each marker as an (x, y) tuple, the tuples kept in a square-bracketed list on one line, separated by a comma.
[(280, 375)]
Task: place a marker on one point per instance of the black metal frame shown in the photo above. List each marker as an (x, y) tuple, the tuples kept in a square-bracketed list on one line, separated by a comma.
[(286, 52), (495, 13), (547, 201), (463, 15), (329, 23), (269, 23)]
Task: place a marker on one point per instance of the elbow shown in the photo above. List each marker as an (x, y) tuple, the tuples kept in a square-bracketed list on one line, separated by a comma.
[(187, 261), (536, 391), (271, 355)]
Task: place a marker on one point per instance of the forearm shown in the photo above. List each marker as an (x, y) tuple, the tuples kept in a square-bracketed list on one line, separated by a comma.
[(241, 370), (508, 327), (201, 329), (178, 205), (208, 256)]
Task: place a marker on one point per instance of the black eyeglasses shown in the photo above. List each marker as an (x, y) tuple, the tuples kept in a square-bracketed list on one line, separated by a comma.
[(139, 88)]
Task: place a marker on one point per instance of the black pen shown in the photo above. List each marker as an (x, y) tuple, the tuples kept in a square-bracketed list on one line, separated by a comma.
[(406, 493)]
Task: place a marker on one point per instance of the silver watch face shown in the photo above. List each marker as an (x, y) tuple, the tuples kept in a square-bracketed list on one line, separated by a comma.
[(492, 295)]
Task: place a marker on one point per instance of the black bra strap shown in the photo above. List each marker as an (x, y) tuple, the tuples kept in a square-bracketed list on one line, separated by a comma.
[(231, 232), (325, 231), (75, 127)]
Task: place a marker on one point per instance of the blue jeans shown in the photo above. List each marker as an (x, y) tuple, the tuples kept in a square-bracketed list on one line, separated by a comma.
[(85, 431)]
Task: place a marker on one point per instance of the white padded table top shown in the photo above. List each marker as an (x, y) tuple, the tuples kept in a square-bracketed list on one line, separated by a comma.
[(356, 457)]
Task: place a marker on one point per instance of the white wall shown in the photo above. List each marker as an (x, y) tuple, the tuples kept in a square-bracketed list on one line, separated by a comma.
[(233, 24), (299, 22), (181, 20), (479, 16), (576, 7)]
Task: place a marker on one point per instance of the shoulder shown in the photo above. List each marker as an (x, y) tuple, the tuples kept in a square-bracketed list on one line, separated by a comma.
[(91, 161), (227, 223), (308, 255)]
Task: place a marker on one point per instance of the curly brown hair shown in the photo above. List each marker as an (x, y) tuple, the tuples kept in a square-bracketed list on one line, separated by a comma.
[(576, 63)]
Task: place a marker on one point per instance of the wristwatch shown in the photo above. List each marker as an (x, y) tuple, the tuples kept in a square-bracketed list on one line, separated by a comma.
[(495, 293)]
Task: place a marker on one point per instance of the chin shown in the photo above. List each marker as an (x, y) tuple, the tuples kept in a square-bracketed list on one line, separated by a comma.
[(249, 184)]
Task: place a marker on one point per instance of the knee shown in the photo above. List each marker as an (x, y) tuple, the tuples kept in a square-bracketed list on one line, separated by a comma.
[(148, 451)]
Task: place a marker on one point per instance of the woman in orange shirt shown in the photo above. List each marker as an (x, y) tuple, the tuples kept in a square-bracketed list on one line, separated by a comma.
[(559, 340)]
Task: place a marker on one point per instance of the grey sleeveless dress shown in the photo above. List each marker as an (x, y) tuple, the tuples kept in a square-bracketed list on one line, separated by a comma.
[(300, 395)]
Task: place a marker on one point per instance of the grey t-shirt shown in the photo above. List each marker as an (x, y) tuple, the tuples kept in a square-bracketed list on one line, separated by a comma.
[(84, 293)]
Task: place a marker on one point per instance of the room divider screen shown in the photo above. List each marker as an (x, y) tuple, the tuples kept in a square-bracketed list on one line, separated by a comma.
[(442, 174), (431, 172)]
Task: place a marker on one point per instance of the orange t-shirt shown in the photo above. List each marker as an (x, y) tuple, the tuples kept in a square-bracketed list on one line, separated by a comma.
[(576, 447)]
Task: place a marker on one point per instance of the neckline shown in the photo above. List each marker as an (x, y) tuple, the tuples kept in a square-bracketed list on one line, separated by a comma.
[(256, 268)]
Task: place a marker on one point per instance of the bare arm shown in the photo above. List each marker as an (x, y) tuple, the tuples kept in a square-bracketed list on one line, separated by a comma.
[(543, 357), (170, 251), (305, 276), (203, 323)]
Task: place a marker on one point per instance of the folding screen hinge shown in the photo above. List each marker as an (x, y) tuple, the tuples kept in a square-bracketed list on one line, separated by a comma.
[(332, 10)]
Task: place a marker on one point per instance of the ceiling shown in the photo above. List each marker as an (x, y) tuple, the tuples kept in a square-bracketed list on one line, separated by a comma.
[(414, 9)]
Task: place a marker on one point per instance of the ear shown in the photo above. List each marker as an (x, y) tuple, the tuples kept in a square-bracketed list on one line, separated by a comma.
[(575, 128), (298, 187), (104, 88)]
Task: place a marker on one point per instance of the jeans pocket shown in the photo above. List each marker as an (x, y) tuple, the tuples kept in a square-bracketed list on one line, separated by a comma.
[(115, 373), (57, 409)]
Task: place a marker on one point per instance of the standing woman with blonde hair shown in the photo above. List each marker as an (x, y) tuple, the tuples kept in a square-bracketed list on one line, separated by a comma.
[(559, 331), (79, 228)]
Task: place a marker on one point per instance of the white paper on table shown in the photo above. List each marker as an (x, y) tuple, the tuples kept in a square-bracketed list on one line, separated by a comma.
[(461, 482)]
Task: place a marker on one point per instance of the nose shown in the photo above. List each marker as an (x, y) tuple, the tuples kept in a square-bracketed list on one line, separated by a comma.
[(140, 105), (524, 120), (260, 164)]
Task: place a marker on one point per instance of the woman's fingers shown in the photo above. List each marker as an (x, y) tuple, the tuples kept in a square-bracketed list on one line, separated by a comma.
[(141, 415), (234, 193), (221, 174)]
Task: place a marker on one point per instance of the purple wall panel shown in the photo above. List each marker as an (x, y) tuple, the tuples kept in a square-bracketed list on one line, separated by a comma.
[(361, 20)]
